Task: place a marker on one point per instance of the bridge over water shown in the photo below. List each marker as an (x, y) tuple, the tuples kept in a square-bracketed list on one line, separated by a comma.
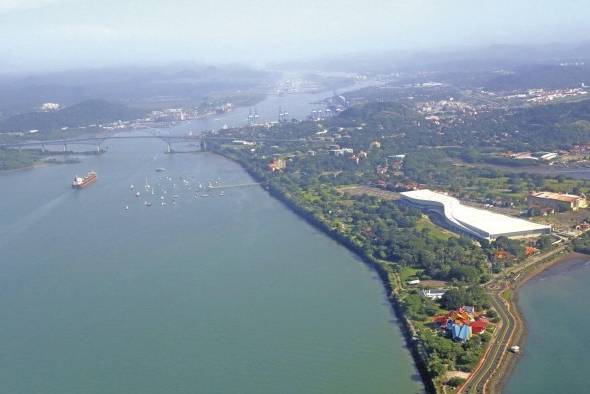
[(168, 139)]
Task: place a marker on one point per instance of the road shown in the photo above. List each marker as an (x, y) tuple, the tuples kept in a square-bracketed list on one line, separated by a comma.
[(498, 348), (501, 341)]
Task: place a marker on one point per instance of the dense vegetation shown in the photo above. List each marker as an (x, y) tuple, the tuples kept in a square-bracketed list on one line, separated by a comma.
[(389, 234), (582, 244), (12, 159)]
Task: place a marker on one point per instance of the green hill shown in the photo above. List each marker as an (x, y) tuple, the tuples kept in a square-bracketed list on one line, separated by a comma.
[(81, 114)]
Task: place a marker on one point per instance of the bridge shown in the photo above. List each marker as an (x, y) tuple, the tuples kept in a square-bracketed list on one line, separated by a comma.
[(168, 139)]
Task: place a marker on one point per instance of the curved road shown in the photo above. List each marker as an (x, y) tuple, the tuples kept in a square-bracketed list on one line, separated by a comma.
[(498, 348), (501, 341)]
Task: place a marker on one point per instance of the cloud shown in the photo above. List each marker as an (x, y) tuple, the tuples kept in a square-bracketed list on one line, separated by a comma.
[(8, 6), (94, 32)]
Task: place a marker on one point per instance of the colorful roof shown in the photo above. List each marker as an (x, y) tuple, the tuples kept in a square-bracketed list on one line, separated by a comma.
[(461, 332), (479, 326)]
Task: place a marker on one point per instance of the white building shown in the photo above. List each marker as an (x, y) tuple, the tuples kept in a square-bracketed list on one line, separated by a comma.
[(433, 294), (47, 107), (475, 222)]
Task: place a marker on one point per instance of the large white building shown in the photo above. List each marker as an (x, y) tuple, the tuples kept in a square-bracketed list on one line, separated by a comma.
[(478, 223)]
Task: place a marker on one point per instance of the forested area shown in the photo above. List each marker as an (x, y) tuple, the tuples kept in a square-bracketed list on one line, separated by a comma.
[(11, 159)]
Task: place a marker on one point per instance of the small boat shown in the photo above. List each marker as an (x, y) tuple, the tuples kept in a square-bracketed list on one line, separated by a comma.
[(160, 169), (137, 194), (163, 203), (126, 207), (221, 194), (147, 204), (161, 197), (131, 187)]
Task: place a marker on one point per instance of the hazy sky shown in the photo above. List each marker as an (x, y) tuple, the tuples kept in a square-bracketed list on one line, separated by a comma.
[(49, 34)]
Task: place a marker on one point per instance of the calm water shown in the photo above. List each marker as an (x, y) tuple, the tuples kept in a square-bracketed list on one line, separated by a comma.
[(555, 306), (231, 294)]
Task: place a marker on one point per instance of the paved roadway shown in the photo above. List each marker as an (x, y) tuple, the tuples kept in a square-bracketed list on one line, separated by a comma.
[(498, 348), (501, 341)]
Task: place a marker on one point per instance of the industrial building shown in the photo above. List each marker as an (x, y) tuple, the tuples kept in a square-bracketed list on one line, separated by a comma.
[(557, 201), (478, 223)]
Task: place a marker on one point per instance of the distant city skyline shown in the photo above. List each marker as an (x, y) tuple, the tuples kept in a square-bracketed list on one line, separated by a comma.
[(40, 35)]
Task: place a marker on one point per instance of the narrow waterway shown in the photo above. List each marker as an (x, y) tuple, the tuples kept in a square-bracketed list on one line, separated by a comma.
[(554, 358), (199, 292)]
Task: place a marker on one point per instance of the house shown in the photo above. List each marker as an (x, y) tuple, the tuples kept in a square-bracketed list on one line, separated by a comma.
[(374, 145), (277, 164)]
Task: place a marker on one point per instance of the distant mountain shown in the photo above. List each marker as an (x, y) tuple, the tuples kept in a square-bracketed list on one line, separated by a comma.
[(541, 76), (138, 86), (81, 114), (476, 59)]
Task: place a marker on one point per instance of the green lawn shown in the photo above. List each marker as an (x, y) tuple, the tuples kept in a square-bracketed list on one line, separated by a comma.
[(435, 231), (408, 273)]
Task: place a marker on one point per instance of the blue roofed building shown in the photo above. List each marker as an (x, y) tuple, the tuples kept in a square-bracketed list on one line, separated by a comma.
[(460, 332)]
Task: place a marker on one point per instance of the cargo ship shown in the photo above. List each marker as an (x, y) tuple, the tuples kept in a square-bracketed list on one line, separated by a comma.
[(82, 182)]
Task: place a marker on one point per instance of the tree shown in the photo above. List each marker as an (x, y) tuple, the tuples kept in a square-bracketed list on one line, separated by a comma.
[(455, 381), (544, 242)]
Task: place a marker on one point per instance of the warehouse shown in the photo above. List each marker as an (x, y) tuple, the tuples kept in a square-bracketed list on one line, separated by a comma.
[(475, 222)]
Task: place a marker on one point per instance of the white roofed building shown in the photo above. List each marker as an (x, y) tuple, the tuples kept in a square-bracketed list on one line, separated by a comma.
[(478, 223)]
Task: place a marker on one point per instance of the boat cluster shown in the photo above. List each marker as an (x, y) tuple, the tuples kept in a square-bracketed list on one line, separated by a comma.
[(168, 190)]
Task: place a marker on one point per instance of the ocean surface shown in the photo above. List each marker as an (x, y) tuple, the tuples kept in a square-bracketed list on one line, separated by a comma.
[(100, 293), (556, 309)]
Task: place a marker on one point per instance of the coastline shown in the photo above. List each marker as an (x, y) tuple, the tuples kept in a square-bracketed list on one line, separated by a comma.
[(30, 167), (383, 273), (500, 377), (499, 381), (389, 281)]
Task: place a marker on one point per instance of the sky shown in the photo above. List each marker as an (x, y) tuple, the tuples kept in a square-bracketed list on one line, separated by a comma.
[(39, 35)]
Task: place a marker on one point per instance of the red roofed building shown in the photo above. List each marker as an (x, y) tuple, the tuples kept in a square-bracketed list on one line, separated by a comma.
[(478, 326), (441, 320)]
